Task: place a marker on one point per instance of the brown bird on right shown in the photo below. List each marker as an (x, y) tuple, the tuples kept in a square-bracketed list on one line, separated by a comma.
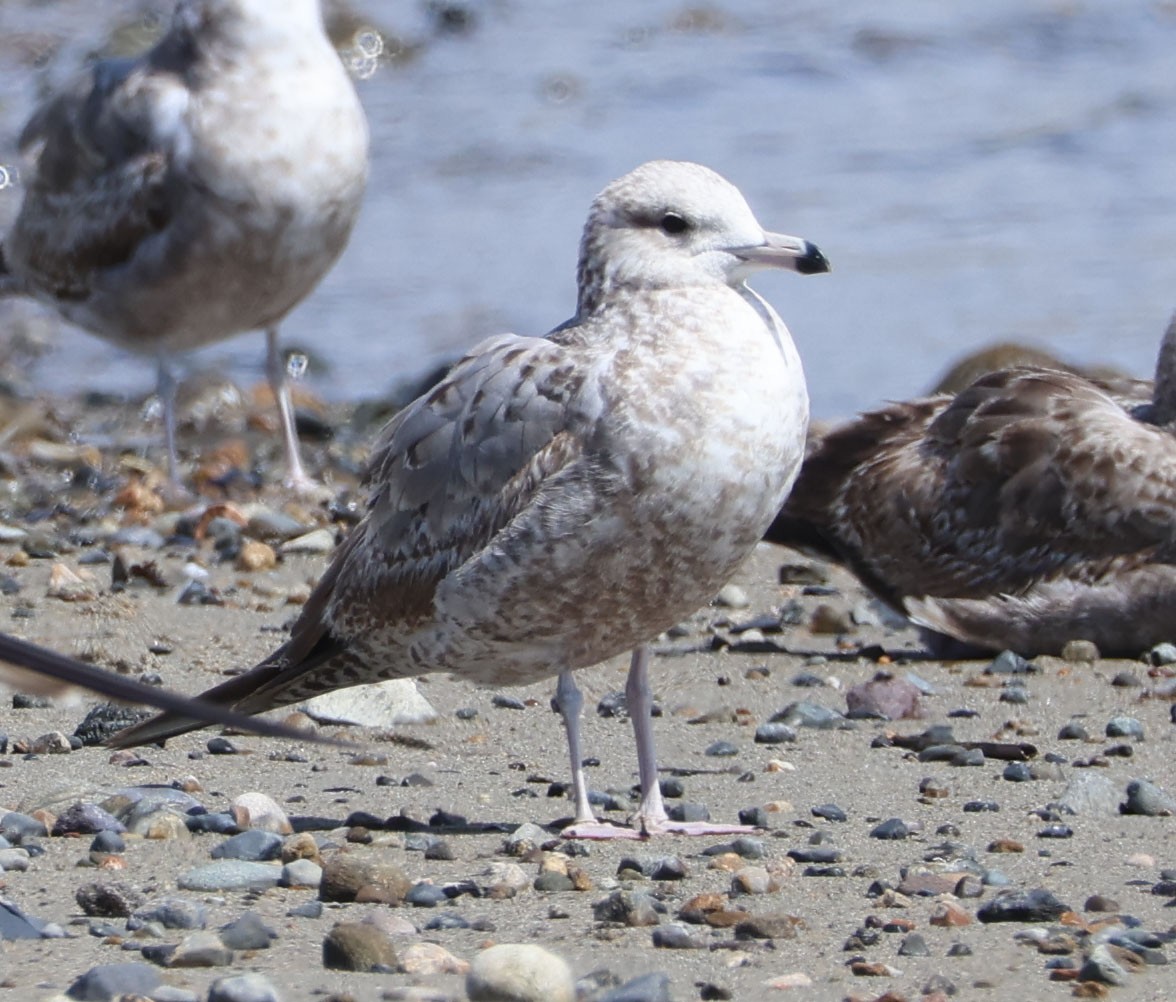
[(1034, 508)]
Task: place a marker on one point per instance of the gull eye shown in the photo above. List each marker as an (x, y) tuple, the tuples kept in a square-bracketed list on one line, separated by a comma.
[(673, 224)]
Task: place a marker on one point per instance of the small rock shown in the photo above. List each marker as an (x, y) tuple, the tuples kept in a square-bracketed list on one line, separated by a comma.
[(112, 981), (1146, 798), (392, 703), (230, 874), (1038, 905), (247, 932), (884, 697), (257, 810), (243, 988), (256, 845), (358, 946), (519, 972), (201, 949), (1101, 966), (1124, 727), (894, 828), (430, 960), (676, 936)]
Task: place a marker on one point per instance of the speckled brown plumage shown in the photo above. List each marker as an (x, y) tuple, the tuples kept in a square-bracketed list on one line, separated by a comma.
[(1034, 508), (556, 501)]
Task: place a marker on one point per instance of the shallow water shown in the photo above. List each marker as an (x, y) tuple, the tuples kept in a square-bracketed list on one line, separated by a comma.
[(974, 172)]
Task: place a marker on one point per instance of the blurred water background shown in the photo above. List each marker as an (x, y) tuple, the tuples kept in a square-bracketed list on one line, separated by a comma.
[(974, 171)]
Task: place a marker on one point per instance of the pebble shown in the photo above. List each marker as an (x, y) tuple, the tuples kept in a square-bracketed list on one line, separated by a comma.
[(830, 812), (113, 900), (1101, 966), (425, 895), (358, 946), (430, 960), (86, 819), (373, 875), (1090, 794), (774, 734), (629, 908), (884, 697), (1124, 727), (201, 949), (317, 541), (894, 828), (301, 873), (721, 749), (806, 714), (256, 845), (676, 936), (170, 913), (391, 703), (1144, 797), (654, 987), (259, 811), (519, 972), (243, 988), (247, 932), (1037, 905), (112, 981), (230, 875)]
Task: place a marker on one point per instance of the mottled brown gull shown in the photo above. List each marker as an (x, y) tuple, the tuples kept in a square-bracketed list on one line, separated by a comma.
[(1034, 508), (197, 192), (556, 501)]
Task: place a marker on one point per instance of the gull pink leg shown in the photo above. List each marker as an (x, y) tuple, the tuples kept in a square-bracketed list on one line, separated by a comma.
[(652, 813), (569, 701), (296, 476)]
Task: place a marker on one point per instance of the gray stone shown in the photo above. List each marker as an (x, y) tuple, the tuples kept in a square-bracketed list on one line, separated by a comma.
[(1124, 727), (247, 932), (110, 981), (1146, 798), (243, 988), (230, 875), (654, 987), (1090, 794), (171, 913), (256, 845), (301, 873)]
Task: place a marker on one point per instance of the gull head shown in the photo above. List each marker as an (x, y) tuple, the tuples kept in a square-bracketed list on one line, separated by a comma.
[(672, 224)]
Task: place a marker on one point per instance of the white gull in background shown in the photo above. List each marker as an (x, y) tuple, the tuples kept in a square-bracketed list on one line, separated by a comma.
[(1034, 508), (556, 501), (197, 192)]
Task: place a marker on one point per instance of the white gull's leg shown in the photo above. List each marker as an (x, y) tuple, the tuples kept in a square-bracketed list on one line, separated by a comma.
[(652, 813), (569, 701), (165, 389), (296, 477)]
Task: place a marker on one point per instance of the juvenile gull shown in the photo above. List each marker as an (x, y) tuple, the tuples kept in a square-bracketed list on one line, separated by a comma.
[(556, 501), (196, 192), (1034, 508)]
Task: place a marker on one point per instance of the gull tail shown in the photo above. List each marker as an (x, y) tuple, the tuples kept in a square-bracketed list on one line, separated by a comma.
[(289, 675), (28, 666)]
